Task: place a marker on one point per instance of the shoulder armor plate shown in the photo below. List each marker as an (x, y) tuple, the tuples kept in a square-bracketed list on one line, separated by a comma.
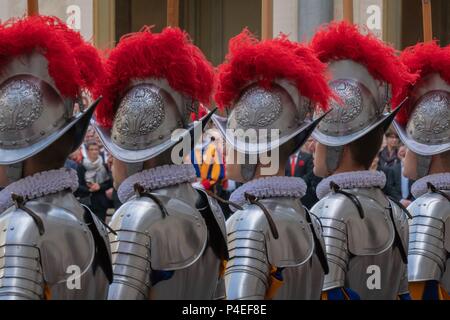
[(371, 235), (295, 244), (429, 243), (171, 243), (62, 231)]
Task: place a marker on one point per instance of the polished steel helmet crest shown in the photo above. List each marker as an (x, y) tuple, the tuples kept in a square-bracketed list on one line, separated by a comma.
[(258, 108), (20, 105), (430, 120), (350, 94), (140, 112)]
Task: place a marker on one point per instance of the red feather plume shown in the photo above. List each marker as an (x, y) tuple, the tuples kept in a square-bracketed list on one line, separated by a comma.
[(423, 59), (341, 40), (72, 63), (251, 60), (168, 55)]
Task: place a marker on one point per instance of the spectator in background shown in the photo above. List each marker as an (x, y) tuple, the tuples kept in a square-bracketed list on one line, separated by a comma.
[(301, 164), (111, 193), (95, 179), (397, 186), (388, 155), (89, 137), (74, 160)]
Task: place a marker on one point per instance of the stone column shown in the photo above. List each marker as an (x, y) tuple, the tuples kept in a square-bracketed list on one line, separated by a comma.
[(312, 14)]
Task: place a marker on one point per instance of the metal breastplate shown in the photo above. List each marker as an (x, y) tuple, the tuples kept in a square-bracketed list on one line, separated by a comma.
[(254, 252), (364, 253), (70, 260), (148, 243), (429, 243)]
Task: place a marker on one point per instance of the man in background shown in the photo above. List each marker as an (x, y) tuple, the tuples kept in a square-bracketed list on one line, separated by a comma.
[(95, 179), (388, 155), (301, 165), (398, 186)]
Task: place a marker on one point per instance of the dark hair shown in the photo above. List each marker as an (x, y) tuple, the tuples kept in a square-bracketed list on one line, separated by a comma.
[(364, 150), (391, 133)]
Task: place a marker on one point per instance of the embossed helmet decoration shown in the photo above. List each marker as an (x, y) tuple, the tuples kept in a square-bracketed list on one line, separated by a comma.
[(273, 85), (424, 124), (44, 69), (365, 74), (155, 82)]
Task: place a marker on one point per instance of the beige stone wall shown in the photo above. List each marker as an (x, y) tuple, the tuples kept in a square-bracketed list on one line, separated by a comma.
[(368, 13), (285, 18), (78, 13)]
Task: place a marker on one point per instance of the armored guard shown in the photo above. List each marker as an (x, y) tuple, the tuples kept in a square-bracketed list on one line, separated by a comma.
[(169, 238), (366, 234), (275, 246), (50, 246), (424, 126)]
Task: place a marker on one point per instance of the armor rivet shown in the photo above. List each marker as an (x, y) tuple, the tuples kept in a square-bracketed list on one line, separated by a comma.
[(198, 224), (14, 143), (42, 133), (161, 137), (55, 124), (12, 228), (121, 215), (4, 230), (128, 215)]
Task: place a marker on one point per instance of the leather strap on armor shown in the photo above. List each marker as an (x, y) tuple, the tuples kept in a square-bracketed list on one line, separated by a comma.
[(352, 197), (254, 200), (140, 192), (433, 189), (20, 204)]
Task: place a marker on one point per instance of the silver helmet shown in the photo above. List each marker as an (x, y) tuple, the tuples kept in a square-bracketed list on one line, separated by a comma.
[(155, 83), (263, 120), (270, 89), (361, 108), (147, 121), (427, 131), (33, 113)]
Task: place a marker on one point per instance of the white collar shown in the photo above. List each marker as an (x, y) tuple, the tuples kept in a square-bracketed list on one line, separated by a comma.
[(440, 180), (39, 185), (270, 187), (350, 180), (157, 178)]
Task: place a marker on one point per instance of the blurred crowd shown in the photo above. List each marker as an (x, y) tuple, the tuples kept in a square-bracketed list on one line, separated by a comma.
[(94, 164)]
